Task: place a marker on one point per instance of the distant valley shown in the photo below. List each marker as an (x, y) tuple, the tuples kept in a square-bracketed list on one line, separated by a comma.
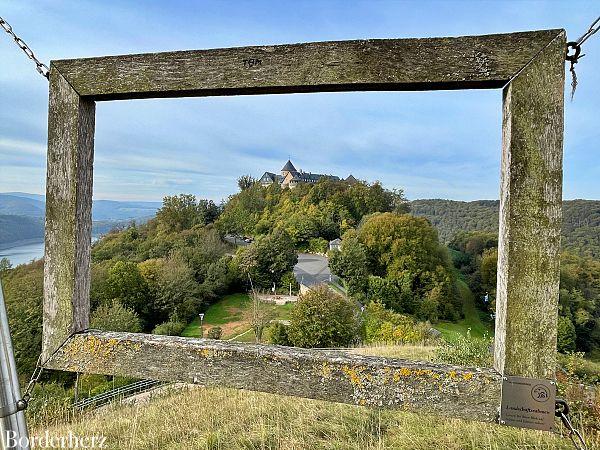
[(22, 216)]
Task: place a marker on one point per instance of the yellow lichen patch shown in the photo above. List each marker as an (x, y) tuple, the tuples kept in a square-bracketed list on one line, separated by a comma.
[(326, 370), (205, 352), (353, 375), (452, 374), (98, 348), (467, 376)]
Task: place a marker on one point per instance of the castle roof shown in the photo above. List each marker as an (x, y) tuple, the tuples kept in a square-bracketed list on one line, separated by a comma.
[(289, 167)]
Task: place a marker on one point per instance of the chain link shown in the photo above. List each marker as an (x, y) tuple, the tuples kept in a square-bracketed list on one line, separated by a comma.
[(574, 57), (40, 66), (23, 403), (562, 412), (585, 36)]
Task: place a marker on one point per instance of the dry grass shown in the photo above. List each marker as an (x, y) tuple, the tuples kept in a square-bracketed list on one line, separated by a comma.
[(228, 419), (415, 352)]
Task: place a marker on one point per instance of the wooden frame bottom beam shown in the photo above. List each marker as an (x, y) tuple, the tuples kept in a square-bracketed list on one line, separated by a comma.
[(468, 393)]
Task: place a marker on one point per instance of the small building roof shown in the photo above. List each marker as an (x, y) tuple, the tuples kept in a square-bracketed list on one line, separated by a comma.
[(335, 241), (289, 167)]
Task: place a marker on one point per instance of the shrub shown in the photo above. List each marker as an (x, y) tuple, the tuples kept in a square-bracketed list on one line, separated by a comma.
[(169, 328), (51, 403), (385, 291), (317, 245), (278, 334), (428, 309), (215, 333), (388, 327), (322, 318), (466, 351), (288, 279), (566, 335), (115, 317)]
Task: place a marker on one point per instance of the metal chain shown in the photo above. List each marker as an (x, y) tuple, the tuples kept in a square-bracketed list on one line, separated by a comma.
[(23, 403), (585, 36), (40, 66), (562, 411), (576, 55)]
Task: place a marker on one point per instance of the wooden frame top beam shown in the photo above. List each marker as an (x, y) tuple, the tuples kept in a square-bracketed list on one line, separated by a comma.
[(468, 62)]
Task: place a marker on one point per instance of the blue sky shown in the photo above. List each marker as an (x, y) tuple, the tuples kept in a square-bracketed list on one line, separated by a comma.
[(432, 145)]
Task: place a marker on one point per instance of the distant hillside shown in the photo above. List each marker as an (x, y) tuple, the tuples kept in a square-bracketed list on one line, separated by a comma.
[(581, 223), (23, 215), (13, 205), (18, 228), (114, 210), (31, 205)]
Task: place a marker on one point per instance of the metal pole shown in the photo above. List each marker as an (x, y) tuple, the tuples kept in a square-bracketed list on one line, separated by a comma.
[(13, 428)]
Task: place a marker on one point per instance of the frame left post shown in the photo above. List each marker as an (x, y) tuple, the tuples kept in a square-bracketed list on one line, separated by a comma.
[(69, 183)]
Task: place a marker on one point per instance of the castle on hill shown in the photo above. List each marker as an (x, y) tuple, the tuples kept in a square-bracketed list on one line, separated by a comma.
[(291, 177)]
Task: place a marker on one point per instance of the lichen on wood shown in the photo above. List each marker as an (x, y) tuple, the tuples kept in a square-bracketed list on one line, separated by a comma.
[(530, 217), (68, 232), (470, 393), (466, 62)]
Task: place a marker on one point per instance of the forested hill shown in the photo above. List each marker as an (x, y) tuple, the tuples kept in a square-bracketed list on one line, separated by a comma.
[(18, 228), (581, 223)]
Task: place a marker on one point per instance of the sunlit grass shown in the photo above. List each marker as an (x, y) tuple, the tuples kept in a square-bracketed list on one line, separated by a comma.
[(226, 419), (233, 313), (472, 318)]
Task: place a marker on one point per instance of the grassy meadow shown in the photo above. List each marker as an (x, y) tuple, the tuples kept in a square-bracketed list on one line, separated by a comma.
[(473, 319), (217, 418), (234, 315), (193, 417)]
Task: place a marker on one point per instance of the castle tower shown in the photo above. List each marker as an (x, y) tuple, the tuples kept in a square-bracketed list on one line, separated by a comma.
[(288, 168)]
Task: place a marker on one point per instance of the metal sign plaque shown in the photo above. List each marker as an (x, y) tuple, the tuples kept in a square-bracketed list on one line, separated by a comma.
[(527, 403)]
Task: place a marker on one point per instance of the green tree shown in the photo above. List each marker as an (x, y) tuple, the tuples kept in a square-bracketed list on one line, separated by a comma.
[(246, 182), (214, 333), (125, 283), (182, 212), (5, 265), (180, 295), (278, 334), (322, 318), (268, 258), (350, 263), (115, 317), (405, 250), (396, 243), (261, 317), (566, 335), (23, 293), (386, 326)]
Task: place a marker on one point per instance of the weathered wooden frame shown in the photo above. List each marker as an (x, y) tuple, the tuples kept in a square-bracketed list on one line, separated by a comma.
[(529, 66)]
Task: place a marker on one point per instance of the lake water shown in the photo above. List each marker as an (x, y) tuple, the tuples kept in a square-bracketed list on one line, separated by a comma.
[(24, 253)]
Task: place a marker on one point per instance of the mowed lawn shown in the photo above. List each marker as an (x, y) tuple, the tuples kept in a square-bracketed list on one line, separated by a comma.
[(233, 313), (472, 320)]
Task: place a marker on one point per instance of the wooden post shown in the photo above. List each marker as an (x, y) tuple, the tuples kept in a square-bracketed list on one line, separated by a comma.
[(68, 213), (530, 217)]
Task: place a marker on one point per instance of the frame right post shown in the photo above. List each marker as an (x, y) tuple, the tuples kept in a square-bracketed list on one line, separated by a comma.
[(531, 217)]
